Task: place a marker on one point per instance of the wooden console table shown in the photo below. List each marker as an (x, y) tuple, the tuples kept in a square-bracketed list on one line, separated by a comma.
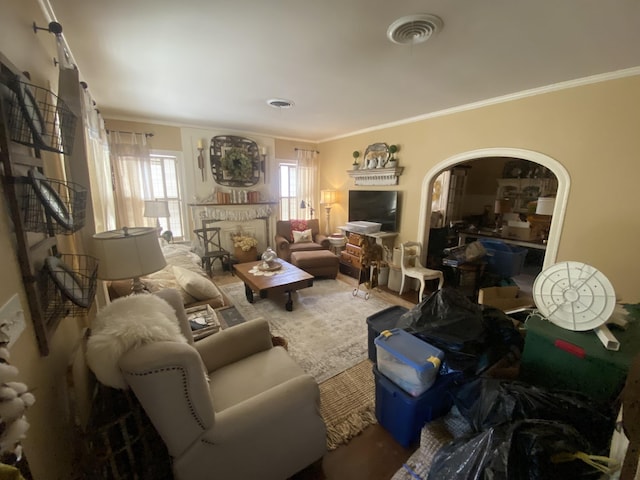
[(463, 235)]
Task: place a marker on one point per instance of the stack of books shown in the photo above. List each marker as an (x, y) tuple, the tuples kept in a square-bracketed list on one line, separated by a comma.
[(203, 321)]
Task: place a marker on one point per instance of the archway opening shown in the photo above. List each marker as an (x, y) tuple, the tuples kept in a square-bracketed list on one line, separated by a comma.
[(542, 166)]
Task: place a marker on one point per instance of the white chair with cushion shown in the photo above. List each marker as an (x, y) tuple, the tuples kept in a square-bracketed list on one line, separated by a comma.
[(410, 254), (228, 406)]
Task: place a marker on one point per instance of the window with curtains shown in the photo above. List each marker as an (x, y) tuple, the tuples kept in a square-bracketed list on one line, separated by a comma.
[(288, 191), (165, 185), (298, 185)]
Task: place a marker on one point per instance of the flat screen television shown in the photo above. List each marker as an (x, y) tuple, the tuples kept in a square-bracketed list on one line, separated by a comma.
[(380, 206)]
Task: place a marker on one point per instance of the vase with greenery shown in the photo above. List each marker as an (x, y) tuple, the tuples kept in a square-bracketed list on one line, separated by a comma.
[(237, 163), (245, 247), (393, 161), (356, 155)]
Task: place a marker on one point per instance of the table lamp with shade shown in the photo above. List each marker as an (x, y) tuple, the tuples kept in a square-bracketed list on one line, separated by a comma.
[(128, 253), (501, 206), (541, 221), (328, 198), (156, 209)]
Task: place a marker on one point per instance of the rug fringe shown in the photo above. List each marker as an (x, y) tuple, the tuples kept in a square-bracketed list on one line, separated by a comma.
[(351, 426)]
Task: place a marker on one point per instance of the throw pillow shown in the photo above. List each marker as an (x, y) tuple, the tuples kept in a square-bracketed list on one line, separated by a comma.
[(195, 284), (127, 323), (297, 226), (302, 237)]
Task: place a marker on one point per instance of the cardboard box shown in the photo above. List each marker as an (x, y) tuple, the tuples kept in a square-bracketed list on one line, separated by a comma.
[(520, 230), (507, 299)]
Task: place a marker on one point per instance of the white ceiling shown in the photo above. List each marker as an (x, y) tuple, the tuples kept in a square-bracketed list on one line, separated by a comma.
[(214, 63)]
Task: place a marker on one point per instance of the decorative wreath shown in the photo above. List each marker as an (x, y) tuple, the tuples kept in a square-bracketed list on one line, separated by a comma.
[(237, 163)]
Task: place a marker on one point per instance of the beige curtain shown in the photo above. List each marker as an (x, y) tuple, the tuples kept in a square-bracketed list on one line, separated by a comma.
[(104, 212), (131, 177), (307, 171)]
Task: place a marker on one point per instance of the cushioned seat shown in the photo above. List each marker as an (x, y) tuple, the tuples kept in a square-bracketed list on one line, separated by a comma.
[(299, 236), (319, 263)]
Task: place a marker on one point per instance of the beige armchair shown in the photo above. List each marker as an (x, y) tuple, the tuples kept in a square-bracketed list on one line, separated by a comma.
[(230, 405), (285, 246)]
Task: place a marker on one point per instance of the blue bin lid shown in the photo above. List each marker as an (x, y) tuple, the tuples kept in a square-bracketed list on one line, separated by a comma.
[(410, 349), (496, 245)]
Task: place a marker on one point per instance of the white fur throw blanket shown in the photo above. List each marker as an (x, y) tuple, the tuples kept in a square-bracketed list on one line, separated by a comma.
[(127, 323)]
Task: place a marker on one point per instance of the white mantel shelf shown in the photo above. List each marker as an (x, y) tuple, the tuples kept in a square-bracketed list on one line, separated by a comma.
[(376, 176)]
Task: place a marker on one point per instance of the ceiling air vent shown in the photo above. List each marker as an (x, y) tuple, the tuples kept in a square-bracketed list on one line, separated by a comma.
[(280, 103), (414, 29)]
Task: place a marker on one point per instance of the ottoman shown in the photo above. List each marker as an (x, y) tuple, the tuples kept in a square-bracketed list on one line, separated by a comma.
[(319, 263)]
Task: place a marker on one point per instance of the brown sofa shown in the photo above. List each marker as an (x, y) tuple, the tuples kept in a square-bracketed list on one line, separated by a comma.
[(285, 244)]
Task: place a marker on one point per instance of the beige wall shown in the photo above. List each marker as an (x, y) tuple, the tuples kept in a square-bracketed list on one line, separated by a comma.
[(590, 130), (48, 442)]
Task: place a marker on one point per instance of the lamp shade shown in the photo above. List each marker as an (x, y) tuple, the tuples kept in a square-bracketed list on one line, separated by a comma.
[(128, 253), (327, 197), (156, 208), (545, 205)]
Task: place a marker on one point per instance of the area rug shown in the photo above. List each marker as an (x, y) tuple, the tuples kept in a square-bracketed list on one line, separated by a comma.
[(347, 403), (327, 329)]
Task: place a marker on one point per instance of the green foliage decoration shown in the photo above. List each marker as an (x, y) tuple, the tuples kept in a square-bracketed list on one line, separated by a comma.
[(237, 163)]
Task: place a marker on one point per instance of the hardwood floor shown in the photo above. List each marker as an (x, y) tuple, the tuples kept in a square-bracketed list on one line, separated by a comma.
[(374, 454)]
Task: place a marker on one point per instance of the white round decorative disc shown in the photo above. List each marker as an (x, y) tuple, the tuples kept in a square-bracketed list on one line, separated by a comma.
[(574, 296)]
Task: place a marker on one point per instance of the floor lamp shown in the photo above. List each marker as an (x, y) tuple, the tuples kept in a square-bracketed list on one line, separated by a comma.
[(328, 198), (307, 204)]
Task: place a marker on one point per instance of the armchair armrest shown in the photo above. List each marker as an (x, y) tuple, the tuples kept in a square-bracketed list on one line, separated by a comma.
[(235, 343), (323, 240), (282, 242)]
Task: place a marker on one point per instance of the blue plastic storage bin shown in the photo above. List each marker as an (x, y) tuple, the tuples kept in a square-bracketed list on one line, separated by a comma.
[(402, 415), (410, 362), (503, 259), (378, 322)]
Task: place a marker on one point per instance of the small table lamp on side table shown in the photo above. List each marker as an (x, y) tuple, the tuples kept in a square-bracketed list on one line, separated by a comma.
[(128, 253), (157, 209)]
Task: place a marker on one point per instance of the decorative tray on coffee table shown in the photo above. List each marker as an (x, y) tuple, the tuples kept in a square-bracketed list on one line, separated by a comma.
[(269, 266)]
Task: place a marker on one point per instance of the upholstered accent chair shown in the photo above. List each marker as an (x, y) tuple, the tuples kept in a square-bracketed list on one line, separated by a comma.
[(230, 405), (299, 236)]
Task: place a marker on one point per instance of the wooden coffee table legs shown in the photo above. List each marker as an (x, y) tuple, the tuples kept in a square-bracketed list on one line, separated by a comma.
[(289, 304), (248, 292)]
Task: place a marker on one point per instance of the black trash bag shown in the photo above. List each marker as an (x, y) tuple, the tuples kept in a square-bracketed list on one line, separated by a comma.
[(519, 451), (501, 330), (487, 402), (529, 449), (467, 457), (449, 321)]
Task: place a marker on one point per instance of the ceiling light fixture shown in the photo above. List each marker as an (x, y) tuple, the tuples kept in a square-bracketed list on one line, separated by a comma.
[(414, 29), (280, 103)]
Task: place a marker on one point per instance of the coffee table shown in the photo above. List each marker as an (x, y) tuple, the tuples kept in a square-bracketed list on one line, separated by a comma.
[(286, 280)]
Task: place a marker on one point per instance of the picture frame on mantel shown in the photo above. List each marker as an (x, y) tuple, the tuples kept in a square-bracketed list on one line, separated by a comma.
[(235, 161)]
